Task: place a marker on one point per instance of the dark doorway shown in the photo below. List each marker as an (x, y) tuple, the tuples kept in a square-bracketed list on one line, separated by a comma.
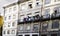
[(35, 35), (44, 35), (20, 35), (53, 34), (27, 35)]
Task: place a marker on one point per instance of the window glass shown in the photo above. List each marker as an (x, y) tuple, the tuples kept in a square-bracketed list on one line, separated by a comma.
[(13, 32), (30, 5), (47, 11), (14, 8), (6, 10), (28, 27), (37, 0), (9, 17), (8, 32), (38, 4), (35, 27), (10, 9), (58, 0), (21, 27), (4, 32), (23, 7), (54, 0), (57, 9), (13, 24), (44, 26), (47, 1), (9, 24), (55, 24), (14, 16)]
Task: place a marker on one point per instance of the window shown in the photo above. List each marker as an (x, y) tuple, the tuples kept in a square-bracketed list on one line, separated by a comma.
[(20, 35), (57, 9), (56, 0), (44, 35), (35, 27), (28, 27), (37, 0), (5, 10), (9, 17), (10, 9), (14, 16), (47, 1), (46, 13), (13, 32), (13, 24), (38, 4), (37, 12), (23, 7), (44, 26), (55, 24), (14, 8), (8, 32), (4, 32), (35, 35), (8, 24), (27, 35), (30, 5), (21, 27)]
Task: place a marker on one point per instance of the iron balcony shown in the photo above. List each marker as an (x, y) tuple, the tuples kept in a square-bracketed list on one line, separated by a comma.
[(40, 18)]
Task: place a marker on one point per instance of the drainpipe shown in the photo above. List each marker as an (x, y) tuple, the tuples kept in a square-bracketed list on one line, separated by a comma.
[(41, 16)]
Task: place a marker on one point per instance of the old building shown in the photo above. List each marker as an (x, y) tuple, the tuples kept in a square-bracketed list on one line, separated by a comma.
[(10, 19), (32, 18)]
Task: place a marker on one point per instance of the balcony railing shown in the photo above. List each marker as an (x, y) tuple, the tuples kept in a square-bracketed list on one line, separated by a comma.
[(55, 15), (46, 17), (37, 18)]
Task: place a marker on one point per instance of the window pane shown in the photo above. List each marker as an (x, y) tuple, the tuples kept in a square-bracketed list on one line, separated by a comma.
[(44, 26), (47, 1), (13, 32), (47, 11), (30, 5), (57, 8), (21, 27), (55, 24), (8, 32), (13, 24), (28, 27), (38, 4), (9, 17), (4, 32), (14, 8), (35, 27)]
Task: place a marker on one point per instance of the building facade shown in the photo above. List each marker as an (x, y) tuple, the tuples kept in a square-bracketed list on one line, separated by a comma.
[(32, 18), (10, 20)]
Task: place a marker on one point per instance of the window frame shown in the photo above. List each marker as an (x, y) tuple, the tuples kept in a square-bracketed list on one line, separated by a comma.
[(54, 26), (47, 2), (36, 26), (45, 27)]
